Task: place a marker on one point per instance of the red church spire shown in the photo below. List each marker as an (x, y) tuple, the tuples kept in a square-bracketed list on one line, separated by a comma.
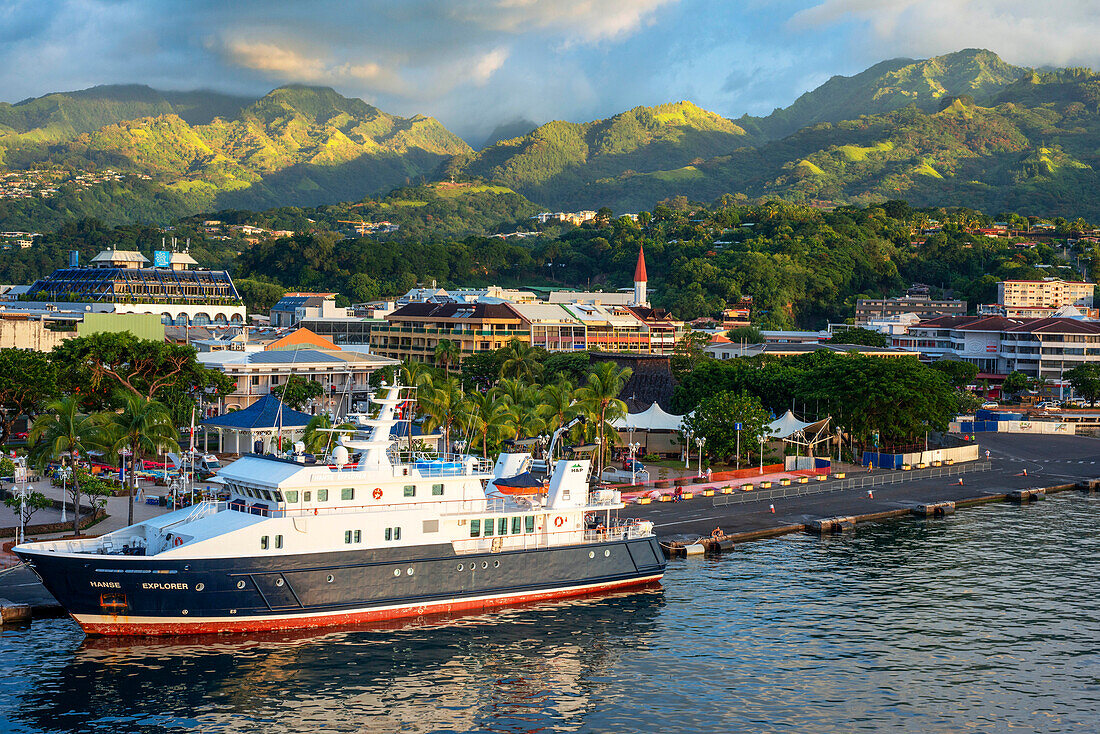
[(639, 269)]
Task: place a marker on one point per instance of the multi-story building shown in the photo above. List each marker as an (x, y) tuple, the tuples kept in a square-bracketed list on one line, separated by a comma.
[(872, 309), (343, 374), (1046, 348), (119, 281), (414, 330), (294, 307), (1046, 293), (553, 327), (612, 328)]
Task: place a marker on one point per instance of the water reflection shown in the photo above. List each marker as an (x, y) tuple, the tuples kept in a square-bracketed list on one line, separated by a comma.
[(520, 670)]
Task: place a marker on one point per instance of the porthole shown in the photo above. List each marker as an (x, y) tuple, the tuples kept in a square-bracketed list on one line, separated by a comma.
[(200, 586), (496, 564), (409, 570), (591, 554), (484, 564), (330, 578), (397, 572), (460, 567), (607, 552), (279, 582), (183, 611), (240, 584), (187, 567)]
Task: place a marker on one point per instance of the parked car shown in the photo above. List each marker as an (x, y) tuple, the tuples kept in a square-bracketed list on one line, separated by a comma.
[(1048, 405), (636, 464), (989, 404)]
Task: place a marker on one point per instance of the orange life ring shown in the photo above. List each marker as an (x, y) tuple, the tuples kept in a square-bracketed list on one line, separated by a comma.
[(559, 521), (377, 493), (177, 541)]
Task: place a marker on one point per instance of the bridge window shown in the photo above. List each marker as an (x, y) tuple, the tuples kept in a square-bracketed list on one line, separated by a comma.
[(389, 533), (292, 495), (410, 490), (488, 526), (502, 526), (347, 536), (358, 536), (347, 493), (529, 524), (475, 528), (397, 533), (322, 495), (516, 525), (306, 496), (278, 541), (437, 490), (264, 540)]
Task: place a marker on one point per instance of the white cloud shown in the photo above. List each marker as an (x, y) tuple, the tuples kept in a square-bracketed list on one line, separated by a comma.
[(583, 20), (1055, 32)]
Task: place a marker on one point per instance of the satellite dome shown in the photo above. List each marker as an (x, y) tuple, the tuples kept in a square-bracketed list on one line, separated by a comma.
[(340, 456)]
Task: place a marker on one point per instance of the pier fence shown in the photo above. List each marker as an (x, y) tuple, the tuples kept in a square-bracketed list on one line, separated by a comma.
[(861, 482)]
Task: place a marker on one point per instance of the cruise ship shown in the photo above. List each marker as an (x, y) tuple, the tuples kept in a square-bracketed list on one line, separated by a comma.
[(391, 534)]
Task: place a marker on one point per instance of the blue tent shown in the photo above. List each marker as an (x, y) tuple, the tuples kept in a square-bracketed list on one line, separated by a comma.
[(267, 413)]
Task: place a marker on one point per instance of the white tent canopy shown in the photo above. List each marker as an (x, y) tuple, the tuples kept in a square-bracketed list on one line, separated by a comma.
[(787, 425), (799, 433), (652, 418)]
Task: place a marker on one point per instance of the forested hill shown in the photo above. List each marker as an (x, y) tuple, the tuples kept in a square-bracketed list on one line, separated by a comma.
[(891, 85), (557, 163), (295, 146), (963, 129)]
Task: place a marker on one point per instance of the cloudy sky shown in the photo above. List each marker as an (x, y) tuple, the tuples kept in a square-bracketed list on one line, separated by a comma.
[(478, 63)]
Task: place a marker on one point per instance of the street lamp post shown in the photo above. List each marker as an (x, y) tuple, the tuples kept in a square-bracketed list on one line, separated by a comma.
[(700, 442), (687, 449), (760, 438), (64, 518), (633, 450)]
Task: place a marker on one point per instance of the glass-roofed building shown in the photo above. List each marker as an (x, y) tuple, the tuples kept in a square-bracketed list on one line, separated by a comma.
[(122, 281)]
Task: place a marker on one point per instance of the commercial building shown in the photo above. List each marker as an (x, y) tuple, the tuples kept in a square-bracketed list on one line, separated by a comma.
[(871, 309), (42, 331), (295, 307), (119, 281), (1046, 293), (731, 350), (1046, 348), (343, 374), (414, 330)]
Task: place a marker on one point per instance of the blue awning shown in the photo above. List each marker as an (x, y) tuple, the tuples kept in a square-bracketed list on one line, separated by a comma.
[(267, 413)]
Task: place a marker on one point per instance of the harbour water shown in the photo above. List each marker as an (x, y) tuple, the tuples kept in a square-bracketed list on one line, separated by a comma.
[(987, 621)]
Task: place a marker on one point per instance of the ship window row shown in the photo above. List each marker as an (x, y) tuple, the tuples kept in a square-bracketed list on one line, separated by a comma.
[(265, 542), (501, 525), (437, 490), (353, 536), (393, 534)]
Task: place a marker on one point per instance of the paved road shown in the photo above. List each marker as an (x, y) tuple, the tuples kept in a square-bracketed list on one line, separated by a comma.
[(1048, 460)]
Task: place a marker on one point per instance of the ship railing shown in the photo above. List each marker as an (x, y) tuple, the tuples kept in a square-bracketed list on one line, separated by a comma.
[(199, 511), (442, 507), (554, 539)]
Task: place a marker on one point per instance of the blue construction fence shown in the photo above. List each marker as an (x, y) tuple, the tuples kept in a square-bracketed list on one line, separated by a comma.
[(884, 461), (987, 420)]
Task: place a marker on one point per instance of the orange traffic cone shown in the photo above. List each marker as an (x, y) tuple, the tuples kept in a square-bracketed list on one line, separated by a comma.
[(772, 507), (870, 494)]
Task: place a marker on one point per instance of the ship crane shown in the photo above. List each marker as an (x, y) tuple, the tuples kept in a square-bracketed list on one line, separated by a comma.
[(565, 428)]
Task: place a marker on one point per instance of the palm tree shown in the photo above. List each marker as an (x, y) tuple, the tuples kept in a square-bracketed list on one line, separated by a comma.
[(486, 416), (443, 405), (448, 353), (63, 429), (600, 397), (557, 405), (520, 361), (143, 427), (514, 391), (318, 438)]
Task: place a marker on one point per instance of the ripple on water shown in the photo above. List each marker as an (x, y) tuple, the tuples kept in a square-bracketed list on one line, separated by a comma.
[(985, 621)]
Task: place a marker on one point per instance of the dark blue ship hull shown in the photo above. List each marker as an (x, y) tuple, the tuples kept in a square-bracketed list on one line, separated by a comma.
[(128, 595)]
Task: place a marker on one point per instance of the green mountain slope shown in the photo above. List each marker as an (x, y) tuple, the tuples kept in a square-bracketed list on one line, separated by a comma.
[(891, 85), (65, 115), (297, 145), (555, 163)]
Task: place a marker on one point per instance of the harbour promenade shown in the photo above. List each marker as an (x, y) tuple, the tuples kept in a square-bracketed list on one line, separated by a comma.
[(1016, 462)]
